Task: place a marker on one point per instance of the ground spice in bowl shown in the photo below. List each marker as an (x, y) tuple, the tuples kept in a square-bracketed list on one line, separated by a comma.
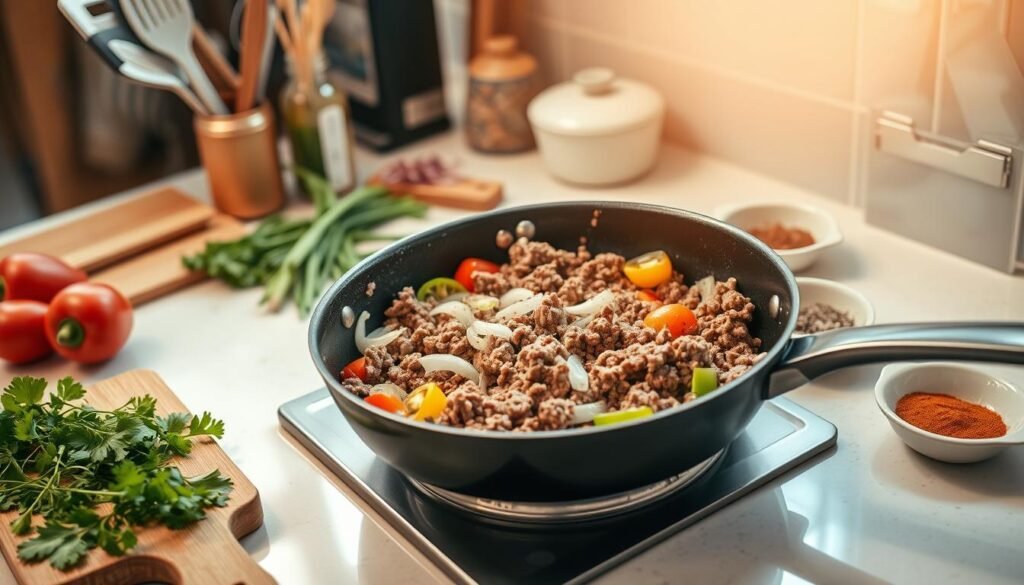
[(949, 416), (820, 317), (780, 237)]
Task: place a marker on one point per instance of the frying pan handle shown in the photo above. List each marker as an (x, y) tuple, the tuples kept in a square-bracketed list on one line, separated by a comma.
[(808, 357)]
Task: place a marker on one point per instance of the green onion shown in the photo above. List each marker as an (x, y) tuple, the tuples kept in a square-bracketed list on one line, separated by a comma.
[(295, 259)]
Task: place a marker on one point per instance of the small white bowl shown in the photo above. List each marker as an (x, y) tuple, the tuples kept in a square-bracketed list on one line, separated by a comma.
[(822, 226), (965, 383), (840, 296)]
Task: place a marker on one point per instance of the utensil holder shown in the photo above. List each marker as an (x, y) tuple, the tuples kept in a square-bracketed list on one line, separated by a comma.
[(239, 152)]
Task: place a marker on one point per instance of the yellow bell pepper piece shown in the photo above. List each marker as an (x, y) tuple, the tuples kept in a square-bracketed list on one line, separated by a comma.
[(649, 270), (431, 402)]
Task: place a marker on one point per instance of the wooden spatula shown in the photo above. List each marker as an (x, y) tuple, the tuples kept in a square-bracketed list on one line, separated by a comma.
[(254, 35)]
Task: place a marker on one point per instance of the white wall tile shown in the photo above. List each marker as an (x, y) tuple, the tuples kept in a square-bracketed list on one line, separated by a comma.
[(898, 56), (547, 43), (608, 17), (808, 45), (553, 9), (802, 141)]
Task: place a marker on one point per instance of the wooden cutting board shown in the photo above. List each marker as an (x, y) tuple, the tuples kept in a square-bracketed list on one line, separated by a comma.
[(118, 232), (206, 552), (158, 272), (473, 194)]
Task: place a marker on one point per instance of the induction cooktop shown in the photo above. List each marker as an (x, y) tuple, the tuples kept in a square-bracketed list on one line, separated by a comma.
[(474, 540)]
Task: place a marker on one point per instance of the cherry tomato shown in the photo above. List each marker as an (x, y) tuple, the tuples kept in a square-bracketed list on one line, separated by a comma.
[(648, 296), (385, 402), (88, 322), (35, 277), (23, 332), (464, 274), (355, 369), (649, 270), (678, 319)]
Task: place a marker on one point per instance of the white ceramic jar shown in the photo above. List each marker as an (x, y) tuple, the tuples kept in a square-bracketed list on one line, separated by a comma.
[(597, 129)]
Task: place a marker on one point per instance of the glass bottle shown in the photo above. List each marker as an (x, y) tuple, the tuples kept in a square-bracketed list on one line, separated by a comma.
[(319, 124)]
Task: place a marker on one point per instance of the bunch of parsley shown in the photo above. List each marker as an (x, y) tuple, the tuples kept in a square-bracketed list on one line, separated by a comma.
[(61, 459)]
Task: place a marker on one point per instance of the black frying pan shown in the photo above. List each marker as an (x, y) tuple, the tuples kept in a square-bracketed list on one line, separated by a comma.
[(577, 463)]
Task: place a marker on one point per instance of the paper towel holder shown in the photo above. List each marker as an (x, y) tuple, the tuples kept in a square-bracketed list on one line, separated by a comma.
[(985, 162)]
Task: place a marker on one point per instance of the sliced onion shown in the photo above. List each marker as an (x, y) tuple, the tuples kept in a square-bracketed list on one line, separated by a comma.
[(706, 287), (456, 296), (582, 322), (481, 302), (522, 307), (514, 296), (460, 311), (444, 362), (380, 336), (595, 304), (578, 378), (389, 388), (479, 331), (584, 413)]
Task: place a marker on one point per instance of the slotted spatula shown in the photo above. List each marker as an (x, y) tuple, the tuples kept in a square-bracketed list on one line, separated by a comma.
[(166, 26)]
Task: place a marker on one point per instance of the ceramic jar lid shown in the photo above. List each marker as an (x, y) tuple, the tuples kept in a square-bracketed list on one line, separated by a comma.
[(594, 103)]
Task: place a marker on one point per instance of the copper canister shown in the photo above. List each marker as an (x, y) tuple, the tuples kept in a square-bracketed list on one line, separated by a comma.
[(239, 152)]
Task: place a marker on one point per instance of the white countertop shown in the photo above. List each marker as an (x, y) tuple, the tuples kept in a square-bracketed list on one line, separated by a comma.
[(869, 510)]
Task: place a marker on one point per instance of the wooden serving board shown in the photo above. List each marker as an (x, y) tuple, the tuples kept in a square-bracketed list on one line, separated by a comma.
[(473, 194), (105, 237), (158, 272), (206, 552)]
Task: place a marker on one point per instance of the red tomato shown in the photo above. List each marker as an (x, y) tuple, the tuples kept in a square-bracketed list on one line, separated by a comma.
[(648, 296), (88, 322), (675, 317), (35, 277), (23, 332), (464, 274), (355, 369), (385, 401)]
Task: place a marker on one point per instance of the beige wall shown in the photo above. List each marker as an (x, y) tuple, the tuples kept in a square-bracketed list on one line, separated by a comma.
[(783, 87)]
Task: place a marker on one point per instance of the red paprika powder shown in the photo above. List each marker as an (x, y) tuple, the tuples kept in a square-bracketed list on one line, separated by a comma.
[(947, 415)]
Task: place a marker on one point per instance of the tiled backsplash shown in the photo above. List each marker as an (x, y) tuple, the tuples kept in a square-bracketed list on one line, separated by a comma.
[(784, 88)]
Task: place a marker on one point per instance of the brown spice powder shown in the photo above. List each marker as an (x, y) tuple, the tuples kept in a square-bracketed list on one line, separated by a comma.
[(780, 237), (947, 415)]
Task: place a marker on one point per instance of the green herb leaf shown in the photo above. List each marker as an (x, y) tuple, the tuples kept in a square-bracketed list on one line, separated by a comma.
[(64, 546), (25, 426), (206, 425), (61, 461), (175, 422), (23, 392), (69, 390)]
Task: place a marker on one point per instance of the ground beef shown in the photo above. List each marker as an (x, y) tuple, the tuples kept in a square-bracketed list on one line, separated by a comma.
[(525, 384)]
